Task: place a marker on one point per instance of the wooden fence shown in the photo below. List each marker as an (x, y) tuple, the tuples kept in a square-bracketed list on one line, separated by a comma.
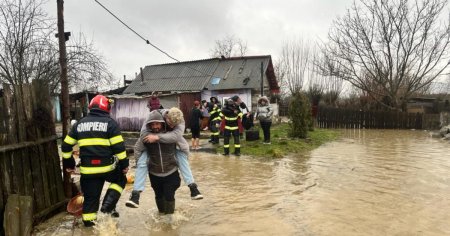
[(356, 119), (29, 158), (283, 108)]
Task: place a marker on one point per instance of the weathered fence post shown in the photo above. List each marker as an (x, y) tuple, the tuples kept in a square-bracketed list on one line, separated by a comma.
[(29, 158), (19, 215)]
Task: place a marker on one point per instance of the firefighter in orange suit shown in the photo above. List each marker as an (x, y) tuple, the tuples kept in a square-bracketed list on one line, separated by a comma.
[(103, 158)]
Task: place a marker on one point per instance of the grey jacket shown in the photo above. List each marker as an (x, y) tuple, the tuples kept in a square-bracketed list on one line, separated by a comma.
[(174, 136), (161, 156), (264, 112)]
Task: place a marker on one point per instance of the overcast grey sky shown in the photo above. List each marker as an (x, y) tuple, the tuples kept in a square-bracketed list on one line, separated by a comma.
[(188, 29)]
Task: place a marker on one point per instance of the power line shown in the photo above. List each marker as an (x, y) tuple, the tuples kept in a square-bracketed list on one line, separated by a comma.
[(148, 41)]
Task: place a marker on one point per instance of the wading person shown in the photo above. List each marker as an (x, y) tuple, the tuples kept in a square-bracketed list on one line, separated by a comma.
[(196, 116), (175, 125), (162, 166), (264, 114), (99, 138)]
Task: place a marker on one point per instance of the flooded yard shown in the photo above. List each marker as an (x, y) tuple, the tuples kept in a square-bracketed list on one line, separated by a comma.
[(369, 182)]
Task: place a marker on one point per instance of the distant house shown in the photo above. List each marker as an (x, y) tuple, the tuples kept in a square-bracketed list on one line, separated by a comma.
[(199, 80), (78, 102), (130, 110), (421, 105), (434, 103)]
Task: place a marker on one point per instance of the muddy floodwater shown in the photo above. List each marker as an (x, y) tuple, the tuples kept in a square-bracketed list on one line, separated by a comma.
[(369, 182)]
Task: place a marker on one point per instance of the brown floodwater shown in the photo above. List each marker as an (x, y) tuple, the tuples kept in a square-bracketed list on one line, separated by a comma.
[(369, 182)]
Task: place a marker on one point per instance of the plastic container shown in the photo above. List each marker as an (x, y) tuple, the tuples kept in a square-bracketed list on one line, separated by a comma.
[(75, 206)]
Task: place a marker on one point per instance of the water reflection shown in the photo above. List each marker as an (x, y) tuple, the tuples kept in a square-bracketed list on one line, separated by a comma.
[(381, 182), (370, 182)]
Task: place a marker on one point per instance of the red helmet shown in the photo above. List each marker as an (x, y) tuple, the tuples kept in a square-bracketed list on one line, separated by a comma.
[(101, 102)]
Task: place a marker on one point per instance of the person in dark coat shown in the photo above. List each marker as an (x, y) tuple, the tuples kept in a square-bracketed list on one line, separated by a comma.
[(196, 116), (100, 142)]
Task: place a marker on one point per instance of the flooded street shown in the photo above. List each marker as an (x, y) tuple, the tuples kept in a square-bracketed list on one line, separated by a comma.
[(369, 182)]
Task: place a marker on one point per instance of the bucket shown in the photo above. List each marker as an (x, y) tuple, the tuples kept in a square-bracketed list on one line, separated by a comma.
[(130, 178), (75, 206), (252, 135)]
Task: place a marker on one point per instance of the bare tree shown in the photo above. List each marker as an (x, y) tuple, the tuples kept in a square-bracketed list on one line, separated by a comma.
[(390, 49), (28, 50), (280, 74), (230, 46), (24, 36), (331, 85), (315, 81), (294, 63), (87, 69)]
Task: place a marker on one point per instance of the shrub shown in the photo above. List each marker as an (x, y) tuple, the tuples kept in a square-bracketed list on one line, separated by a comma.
[(300, 115)]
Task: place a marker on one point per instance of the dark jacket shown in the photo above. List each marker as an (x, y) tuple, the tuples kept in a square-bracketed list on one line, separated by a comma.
[(231, 117), (162, 160), (196, 115), (214, 114), (99, 138)]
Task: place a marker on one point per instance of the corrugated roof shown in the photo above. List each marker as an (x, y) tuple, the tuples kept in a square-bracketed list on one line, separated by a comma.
[(242, 73), (234, 73), (184, 76)]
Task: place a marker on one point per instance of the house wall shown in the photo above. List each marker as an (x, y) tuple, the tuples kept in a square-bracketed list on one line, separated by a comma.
[(186, 103), (169, 101), (207, 94), (244, 94), (130, 113)]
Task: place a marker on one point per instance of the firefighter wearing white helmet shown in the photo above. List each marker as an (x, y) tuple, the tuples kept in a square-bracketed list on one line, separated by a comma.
[(99, 139)]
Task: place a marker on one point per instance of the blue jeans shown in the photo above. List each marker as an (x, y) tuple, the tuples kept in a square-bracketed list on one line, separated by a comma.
[(142, 171)]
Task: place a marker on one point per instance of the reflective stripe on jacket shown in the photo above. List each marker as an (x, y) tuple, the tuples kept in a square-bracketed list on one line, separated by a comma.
[(99, 139), (231, 117)]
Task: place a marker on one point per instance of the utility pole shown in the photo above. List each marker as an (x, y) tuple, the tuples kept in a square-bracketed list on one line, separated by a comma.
[(262, 79), (64, 87)]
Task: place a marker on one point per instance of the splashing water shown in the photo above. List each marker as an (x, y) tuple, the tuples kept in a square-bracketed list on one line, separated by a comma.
[(107, 226), (159, 222)]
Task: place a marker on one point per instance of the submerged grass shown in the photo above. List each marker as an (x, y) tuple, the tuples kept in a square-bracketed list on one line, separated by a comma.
[(282, 145)]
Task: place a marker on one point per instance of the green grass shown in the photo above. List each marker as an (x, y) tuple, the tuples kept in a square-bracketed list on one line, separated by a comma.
[(283, 145)]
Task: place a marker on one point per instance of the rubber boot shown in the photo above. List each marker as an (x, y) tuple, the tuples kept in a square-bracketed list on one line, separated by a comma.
[(226, 151), (169, 207), (114, 213), (109, 202), (216, 139), (88, 223), (160, 203), (237, 151)]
